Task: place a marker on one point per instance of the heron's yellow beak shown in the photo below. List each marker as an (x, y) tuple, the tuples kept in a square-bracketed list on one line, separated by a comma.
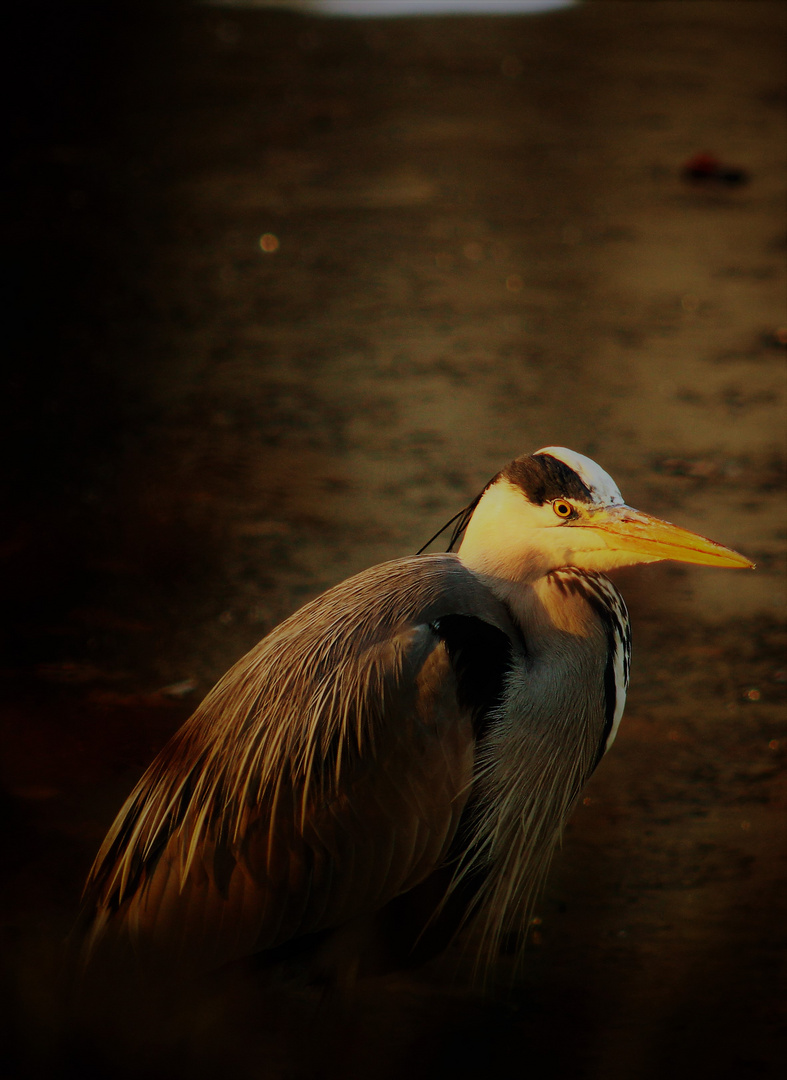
[(632, 530)]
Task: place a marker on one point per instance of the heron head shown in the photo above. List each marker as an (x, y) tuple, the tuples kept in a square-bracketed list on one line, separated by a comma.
[(558, 508)]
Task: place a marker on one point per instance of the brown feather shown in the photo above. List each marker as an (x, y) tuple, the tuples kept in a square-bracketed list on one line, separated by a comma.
[(323, 775)]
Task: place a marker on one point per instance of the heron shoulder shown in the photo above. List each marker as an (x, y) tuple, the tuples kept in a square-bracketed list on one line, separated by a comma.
[(374, 693)]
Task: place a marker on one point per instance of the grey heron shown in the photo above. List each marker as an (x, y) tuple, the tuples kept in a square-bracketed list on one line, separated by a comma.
[(403, 751)]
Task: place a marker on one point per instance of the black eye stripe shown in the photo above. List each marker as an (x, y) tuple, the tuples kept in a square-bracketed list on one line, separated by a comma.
[(543, 478)]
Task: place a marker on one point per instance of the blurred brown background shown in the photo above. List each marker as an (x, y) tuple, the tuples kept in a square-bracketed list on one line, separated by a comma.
[(283, 292)]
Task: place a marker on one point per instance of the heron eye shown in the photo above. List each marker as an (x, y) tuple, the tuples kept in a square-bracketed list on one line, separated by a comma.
[(562, 509)]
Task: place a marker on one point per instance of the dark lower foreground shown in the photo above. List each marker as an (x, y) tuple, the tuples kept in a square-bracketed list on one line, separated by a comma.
[(658, 948), (485, 247)]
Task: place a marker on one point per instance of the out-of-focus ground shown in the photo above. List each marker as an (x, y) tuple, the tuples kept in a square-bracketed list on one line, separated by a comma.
[(482, 244)]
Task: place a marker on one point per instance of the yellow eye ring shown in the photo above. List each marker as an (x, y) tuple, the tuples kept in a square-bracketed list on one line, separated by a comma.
[(562, 509)]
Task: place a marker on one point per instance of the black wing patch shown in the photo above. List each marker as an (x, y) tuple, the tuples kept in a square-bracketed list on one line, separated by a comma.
[(480, 655)]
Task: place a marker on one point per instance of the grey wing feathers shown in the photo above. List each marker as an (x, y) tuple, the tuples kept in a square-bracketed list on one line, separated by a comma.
[(322, 776)]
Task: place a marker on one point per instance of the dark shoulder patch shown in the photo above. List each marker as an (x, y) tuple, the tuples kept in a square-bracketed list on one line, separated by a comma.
[(543, 478), (480, 655)]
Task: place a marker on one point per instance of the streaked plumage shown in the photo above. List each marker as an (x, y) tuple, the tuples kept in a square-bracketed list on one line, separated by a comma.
[(402, 750)]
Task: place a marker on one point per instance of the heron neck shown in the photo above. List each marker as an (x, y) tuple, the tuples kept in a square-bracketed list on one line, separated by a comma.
[(544, 608)]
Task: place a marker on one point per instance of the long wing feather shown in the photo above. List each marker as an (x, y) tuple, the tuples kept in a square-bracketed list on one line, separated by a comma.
[(324, 775)]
